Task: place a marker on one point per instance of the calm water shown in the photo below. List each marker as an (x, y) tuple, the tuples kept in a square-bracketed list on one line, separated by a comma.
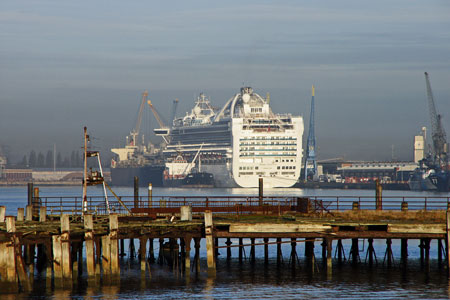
[(258, 281)]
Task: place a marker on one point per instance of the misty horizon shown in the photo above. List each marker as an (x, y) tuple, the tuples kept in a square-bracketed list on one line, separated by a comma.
[(70, 65)]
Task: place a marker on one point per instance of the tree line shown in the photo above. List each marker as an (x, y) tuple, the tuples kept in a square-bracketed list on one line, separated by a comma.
[(39, 160)]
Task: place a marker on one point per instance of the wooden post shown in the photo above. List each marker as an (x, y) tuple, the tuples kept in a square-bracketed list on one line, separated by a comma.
[(2, 214), (151, 251), (57, 260), (49, 262), (427, 253), (241, 249), (340, 250), (142, 253), (89, 244), (252, 250), (150, 195), (354, 252), (187, 257), (106, 256), (10, 259), (136, 192), (197, 254), (17, 259), (279, 253), (114, 240), (30, 193), (20, 214), (329, 253), (266, 251), (404, 251), (65, 247), (42, 214), (209, 240), (186, 213), (370, 252), (228, 243), (378, 195)]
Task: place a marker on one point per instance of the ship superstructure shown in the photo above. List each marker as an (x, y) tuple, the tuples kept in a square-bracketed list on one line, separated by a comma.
[(242, 142)]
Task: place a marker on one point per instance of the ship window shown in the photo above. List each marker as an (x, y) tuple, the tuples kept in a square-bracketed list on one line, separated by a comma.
[(256, 168), (278, 167)]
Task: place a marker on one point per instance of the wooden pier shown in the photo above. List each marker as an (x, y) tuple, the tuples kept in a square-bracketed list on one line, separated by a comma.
[(68, 242)]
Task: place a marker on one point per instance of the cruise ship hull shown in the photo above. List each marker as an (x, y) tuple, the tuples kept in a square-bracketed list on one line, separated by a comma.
[(124, 176)]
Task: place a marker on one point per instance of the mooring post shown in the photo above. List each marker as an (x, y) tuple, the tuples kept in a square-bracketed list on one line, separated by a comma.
[(379, 195), (261, 190), (150, 195), (114, 241), (136, 192), (30, 193), (89, 244), (209, 240), (20, 214), (42, 214), (2, 214)]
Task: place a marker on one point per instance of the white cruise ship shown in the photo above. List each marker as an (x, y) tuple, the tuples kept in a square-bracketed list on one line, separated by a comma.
[(242, 142)]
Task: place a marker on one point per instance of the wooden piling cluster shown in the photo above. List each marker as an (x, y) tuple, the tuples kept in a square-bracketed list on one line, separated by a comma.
[(67, 246)]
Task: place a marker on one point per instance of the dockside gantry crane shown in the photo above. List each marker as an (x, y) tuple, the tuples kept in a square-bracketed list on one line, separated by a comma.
[(163, 131), (438, 136)]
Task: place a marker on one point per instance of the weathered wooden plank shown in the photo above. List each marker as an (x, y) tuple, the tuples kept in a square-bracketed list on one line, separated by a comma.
[(417, 228), (278, 228)]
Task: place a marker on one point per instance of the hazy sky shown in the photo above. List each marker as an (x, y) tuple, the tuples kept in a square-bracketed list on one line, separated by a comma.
[(67, 64)]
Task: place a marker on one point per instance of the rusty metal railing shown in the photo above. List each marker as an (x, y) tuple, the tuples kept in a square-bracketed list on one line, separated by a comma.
[(237, 204)]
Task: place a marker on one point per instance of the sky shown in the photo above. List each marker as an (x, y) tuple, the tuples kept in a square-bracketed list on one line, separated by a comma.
[(69, 64)]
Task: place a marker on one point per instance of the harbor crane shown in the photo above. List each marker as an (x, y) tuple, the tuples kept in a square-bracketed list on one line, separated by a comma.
[(438, 136), (174, 109), (310, 168), (163, 131), (135, 132)]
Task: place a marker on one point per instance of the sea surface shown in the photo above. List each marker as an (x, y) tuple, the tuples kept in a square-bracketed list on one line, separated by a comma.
[(259, 280)]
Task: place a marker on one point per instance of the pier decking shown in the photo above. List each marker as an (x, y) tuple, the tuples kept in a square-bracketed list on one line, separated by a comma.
[(60, 238)]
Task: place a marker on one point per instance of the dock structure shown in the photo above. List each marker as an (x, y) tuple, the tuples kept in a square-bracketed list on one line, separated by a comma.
[(67, 241)]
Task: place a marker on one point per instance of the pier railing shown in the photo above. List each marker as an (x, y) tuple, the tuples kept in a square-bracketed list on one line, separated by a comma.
[(238, 204)]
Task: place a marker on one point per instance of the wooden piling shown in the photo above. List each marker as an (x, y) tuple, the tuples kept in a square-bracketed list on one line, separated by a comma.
[(404, 252), (106, 256), (354, 252), (15, 264), (440, 250), (142, 253), (197, 254), (228, 243), (252, 250), (65, 247), (151, 251), (279, 253), (427, 242), (2, 214), (241, 249), (378, 195), (10, 258), (29, 213), (114, 243), (20, 214), (389, 257), (370, 252), (42, 214), (187, 256), (266, 250), (57, 260), (329, 256), (209, 240), (136, 192), (89, 244)]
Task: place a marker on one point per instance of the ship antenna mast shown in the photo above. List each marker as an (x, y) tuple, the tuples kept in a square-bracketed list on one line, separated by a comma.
[(310, 168)]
